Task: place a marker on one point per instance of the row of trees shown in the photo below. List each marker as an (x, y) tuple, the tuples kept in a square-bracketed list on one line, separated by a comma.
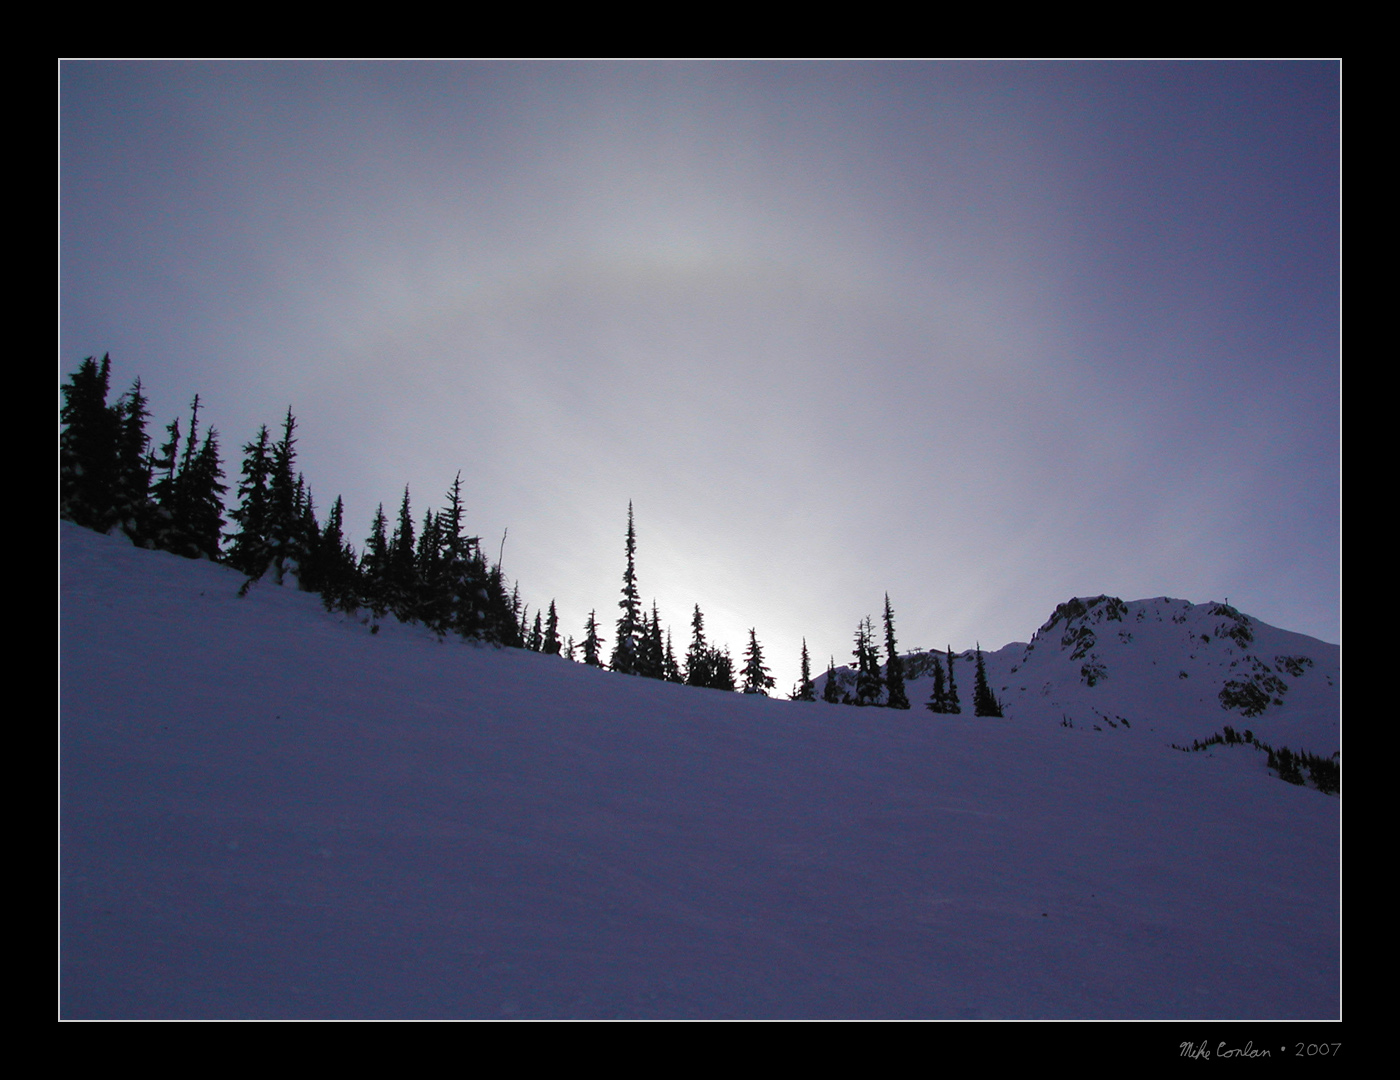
[(171, 498), (639, 650), (110, 477)]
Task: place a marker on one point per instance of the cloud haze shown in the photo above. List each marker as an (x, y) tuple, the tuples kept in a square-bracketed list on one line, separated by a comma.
[(981, 336)]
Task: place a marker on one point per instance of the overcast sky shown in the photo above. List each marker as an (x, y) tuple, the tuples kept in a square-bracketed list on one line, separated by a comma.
[(981, 336)]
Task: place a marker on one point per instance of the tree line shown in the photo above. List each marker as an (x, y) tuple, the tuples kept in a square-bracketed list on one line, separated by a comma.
[(170, 497), (112, 478)]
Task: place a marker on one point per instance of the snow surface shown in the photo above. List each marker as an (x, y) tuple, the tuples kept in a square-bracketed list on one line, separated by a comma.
[(269, 811)]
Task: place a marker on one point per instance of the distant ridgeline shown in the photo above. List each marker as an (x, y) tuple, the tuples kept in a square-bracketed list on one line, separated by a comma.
[(1161, 665), (114, 480)]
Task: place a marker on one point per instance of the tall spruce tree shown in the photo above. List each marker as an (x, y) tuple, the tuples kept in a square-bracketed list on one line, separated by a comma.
[(699, 665), (332, 569), (984, 702), (896, 698), (286, 533), (402, 578), (869, 685), (831, 690), (374, 565), (805, 690), (721, 669), (203, 499), (756, 677), (551, 632), (132, 505), (954, 706), (653, 647), (251, 551), (592, 642), (88, 447), (673, 672), (938, 700), (626, 649)]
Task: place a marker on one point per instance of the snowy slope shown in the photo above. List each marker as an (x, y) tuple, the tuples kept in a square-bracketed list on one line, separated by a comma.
[(267, 811)]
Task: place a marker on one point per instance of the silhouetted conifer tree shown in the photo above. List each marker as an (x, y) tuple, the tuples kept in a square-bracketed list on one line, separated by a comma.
[(132, 505), (721, 669), (868, 682), (402, 579), (699, 667), (551, 633), (374, 565), (756, 677), (332, 570), (673, 672), (831, 691), (592, 642), (805, 690), (625, 656), (652, 655), (954, 706), (251, 551), (894, 668), (203, 498), (286, 532), (984, 702), (938, 700), (88, 447)]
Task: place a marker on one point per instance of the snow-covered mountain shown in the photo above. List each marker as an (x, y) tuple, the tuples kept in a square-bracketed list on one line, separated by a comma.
[(1176, 668), (270, 811)]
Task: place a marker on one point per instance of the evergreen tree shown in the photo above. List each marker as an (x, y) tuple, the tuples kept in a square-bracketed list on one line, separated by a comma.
[(721, 670), (592, 642), (463, 577), (831, 691), (374, 565), (433, 599), (402, 576), (88, 447), (188, 518), (894, 668), (652, 657), (869, 685), (251, 552), (286, 539), (162, 469), (551, 633), (954, 706), (756, 677), (536, 642), (625, 656), (501, 622), (984, 702), (203, 498), (331, 570), (672, 671), (699, 664), (805, 690), (938, 700), (131, 503)]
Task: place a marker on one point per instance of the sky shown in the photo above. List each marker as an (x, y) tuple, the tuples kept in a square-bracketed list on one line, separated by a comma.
[(981, 336)]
